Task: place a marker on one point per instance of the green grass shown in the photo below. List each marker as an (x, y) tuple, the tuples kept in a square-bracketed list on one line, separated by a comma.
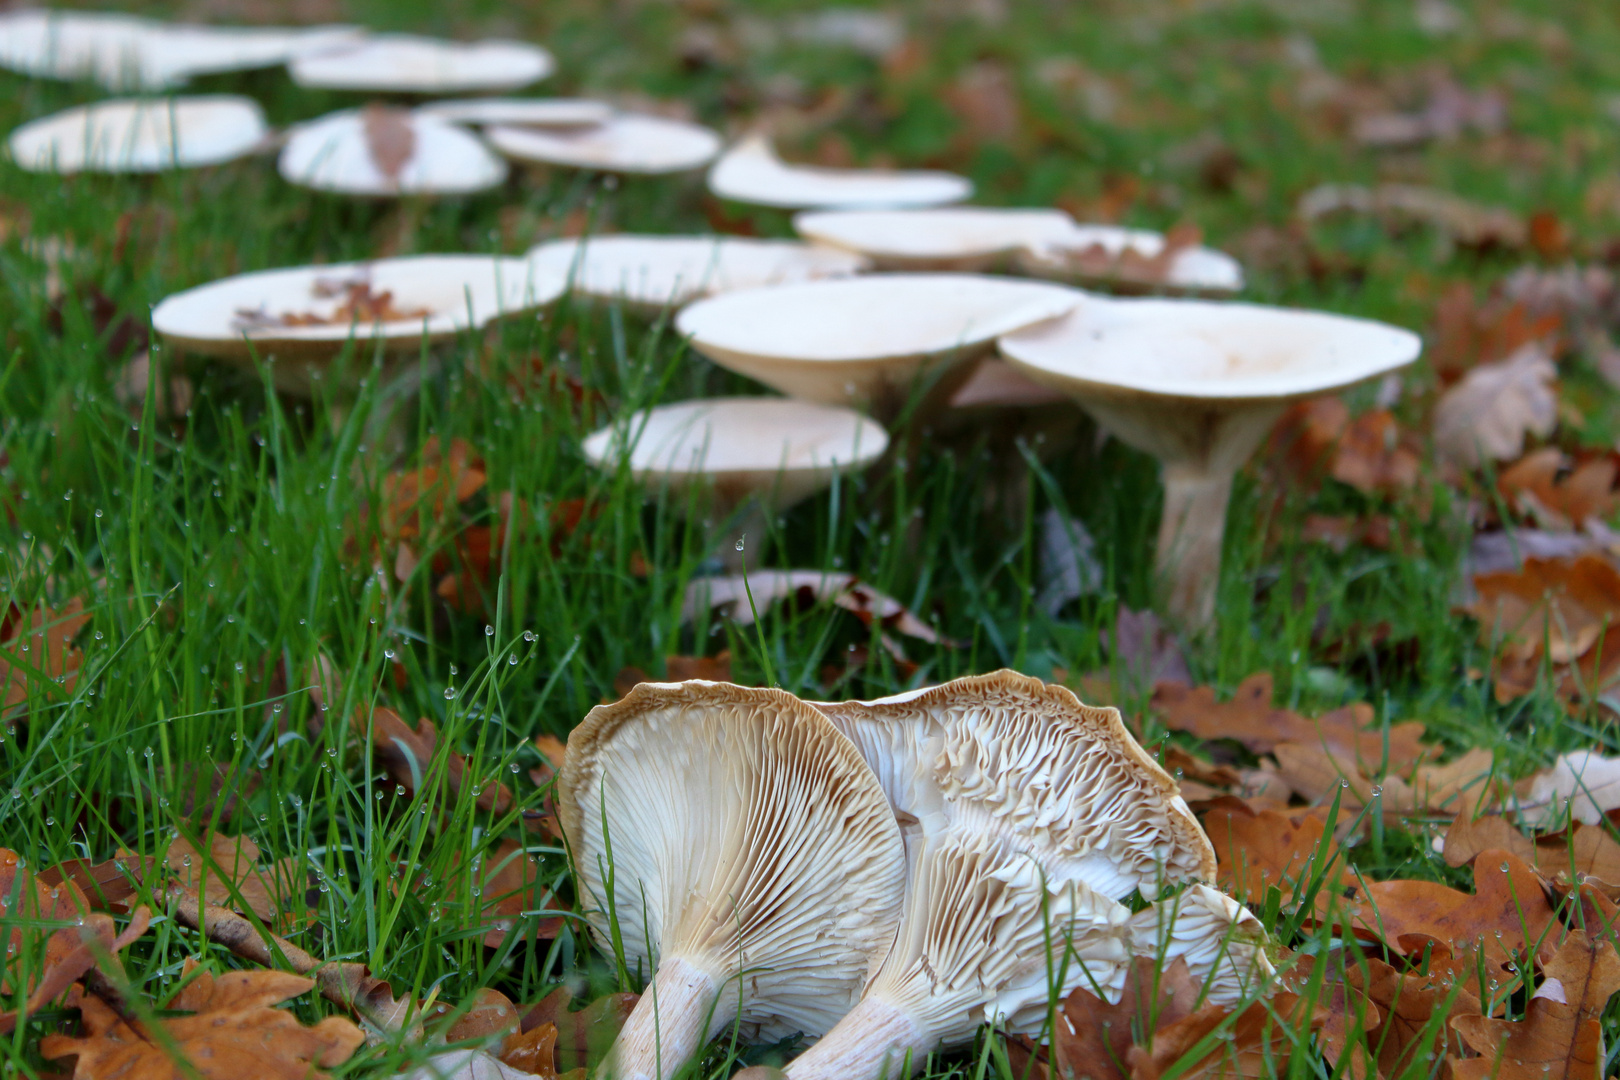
[(217, 548)]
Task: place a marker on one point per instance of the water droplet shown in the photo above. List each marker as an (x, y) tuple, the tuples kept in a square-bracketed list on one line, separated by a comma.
[(399, 789), (449, 693), (511, 658), (1504, 868), (388, 654), (489, 631), (741, 541), (528, 635)]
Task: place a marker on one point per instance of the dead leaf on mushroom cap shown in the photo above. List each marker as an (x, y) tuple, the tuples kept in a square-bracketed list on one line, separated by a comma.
[(390, 138), (233, 1033)]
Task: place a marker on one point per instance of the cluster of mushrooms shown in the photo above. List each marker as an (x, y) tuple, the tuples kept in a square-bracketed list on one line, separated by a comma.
[(884, 876)]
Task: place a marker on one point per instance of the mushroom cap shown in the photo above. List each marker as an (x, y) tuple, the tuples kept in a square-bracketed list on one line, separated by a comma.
[(174, 54), (776, 448), (333, 153), (624, 143), (750, 172), (1008, 754), (408, 64), (459, 292), (1220, 939), (105, 46), (140, 135), (1204, 351), (520, 112), (652, 273), (856, 339), (1193, 269), (956, 237), (747, 835)]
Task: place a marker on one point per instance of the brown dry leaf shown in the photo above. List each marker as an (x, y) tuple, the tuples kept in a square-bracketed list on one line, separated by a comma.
[(583, 1037), (1258, 848), (533, 1051), (36, 651), (1507, 916), (26, 898), (1317, 773), (1449, 111), (1469, 224), (229, 875), (490, 1013), (712, 668), (1587, 854), (1559, 492), (1560, 605), (1094, 1038), (1254, 1043), (1350, 1014), (234, 1033), (1490, 412), (1468, 333), (1416, 1009), (1375, 456), (511, 886), (105, 885), (730, 595), (553, 751), (408, 757), (1560, 1036), (389, 137), (71, 953), (985, 99)]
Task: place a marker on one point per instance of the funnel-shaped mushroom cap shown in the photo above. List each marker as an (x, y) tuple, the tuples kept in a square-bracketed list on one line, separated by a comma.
[(1220, 939), (406, 64), (140, 135), (748, 839), (1025, 814), (864, 339), (654, 272), (382, 151), (108, 47), (750, 172), (521, 112), (176, 53), (1141, 364), (625, 143), (951, 238), (309, 312), (1064, 256), (775, 449)]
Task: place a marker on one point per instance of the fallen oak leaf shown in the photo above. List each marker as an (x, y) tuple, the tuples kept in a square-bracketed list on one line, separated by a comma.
[(583, 1037), (1256, 849), (105, 885), (730, 594), (1096, 1037), (1583, 784), (510, 892), (533, 1051), (227, 873), (38, 652), (1586, 855), (408, 756), (72, 952), (233, 1032), (1254, 1043), (1559, 492), (1416, 1010), (1490, 412)]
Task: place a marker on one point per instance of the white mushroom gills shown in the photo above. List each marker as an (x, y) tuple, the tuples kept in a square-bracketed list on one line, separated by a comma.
[(755, 862), (1026, 814), (1221, 941), (1197, 384)]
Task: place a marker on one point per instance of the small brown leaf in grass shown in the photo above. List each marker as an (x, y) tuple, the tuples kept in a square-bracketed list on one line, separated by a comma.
[(552, 752), (1255, 1043), (1468, 224), (25, 898), (389, 137), (105, 885), (233, 1033), (583, 1037), (1560, 1037), (1416, 1008), (1557, 491), (1468, 333), (37, 652), (1349, 1013), (1255, 849), (533, 1051), (1587, 854), (712, 668), (71, 953), (490, 1013), (229, 875), (408, 757), (1375, 456), (1560, 605), (511, 886), (1490, 412), (1094, 1038)]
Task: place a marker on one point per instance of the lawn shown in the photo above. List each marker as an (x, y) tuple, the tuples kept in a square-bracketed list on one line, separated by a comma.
[(227, 560)]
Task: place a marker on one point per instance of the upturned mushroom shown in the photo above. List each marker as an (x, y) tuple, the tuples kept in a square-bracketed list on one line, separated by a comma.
[(1198, 384), (382, 151), (869, 341), (750, 172), (755, 864), (960, 238), (301, 317), (520, 112), (624, 143), (1221, 941), (409, 64), (756, 455), (654, 273), (176, 53), (141, 135), (1025, 815), (109, 47)]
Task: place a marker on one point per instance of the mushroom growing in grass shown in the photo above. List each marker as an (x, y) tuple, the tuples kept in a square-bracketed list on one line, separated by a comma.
[(408, 64), (175, 53), (383, 151), (108, 47), (1132, 260), (750, 172), (520, 112), (735, 843), (653, 273), (759, 455), (947, 238), (302, 317), (1220, 940), (1026, 815), (1197, 385), (141, 135), (867, 341), (624, 143)]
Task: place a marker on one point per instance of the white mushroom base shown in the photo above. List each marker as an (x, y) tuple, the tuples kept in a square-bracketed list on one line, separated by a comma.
[(681, 1009)]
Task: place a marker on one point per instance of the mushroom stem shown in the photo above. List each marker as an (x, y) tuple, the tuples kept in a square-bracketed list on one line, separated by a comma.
[(872, 1041), (1188, 563), (669, 1023)]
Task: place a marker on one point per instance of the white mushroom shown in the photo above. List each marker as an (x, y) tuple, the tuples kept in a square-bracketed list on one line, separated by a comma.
[(384, 151), (758, 454), (1111, 255), (755, 864), (140, 135), (175, 53), (105, 46), (407, 64), (1025, 814), (868, 341), (521, 112), (947, 238), (303, 316), (1221, 941), (1197, 385), (652, 273), (750, 172), (625, 143)]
